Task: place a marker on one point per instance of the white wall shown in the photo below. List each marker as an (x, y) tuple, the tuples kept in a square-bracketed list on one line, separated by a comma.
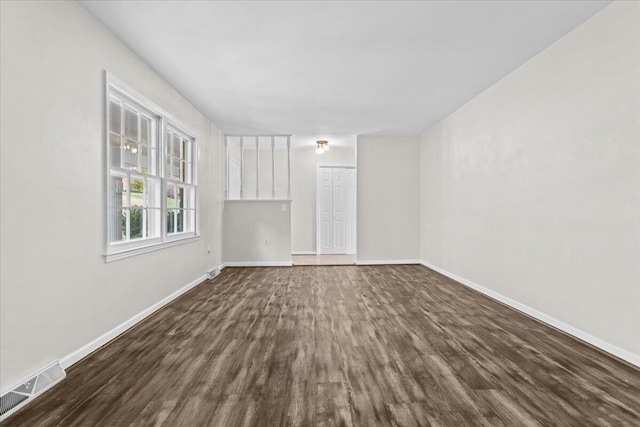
[(257, 231), (388, 198), (304, 162), (57, 294), (533, 188)]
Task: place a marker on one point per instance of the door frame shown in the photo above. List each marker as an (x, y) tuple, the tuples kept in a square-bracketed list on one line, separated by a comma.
[(319, 167)]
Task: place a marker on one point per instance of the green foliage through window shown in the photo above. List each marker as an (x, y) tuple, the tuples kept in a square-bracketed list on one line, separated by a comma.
[(136, 223)]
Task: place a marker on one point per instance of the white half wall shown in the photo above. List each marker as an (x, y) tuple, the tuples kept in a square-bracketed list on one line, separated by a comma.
[(257, 232), (304, 162), (57, 294), (388, 198), (532, 189)]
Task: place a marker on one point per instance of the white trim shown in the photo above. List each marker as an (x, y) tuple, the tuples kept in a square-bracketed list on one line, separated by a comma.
[(387, 261), (304, 253), (259, 200), (113, 256), (288, 167), (625, 355), (103, 339), (258, 264)]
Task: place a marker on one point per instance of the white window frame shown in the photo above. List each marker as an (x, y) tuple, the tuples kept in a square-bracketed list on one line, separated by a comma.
[(118, 250)]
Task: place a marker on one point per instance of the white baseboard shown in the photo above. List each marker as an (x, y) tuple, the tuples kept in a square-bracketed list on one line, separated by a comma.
[(623, 354), (303, 253), (258, 264), (84, 351), (387, 261)]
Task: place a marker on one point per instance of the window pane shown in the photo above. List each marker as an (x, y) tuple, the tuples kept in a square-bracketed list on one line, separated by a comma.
[(114, 150), (136, 223), (187, 198), (118, 197), (144, 159), (175, 169), (145, 130), (180, 198), (137, 192), (180, 221), (171, 221), (189, 220), (117, 225), (130, 154), (175, 146), (131, 124), (183, 171), (171, 196), (167, 142), (115, 117)]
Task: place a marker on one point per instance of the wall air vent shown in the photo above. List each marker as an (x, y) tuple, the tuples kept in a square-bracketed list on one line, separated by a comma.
[(22, 394)]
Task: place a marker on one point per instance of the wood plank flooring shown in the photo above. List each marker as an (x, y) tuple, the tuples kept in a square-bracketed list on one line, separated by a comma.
[(323, 259), (350, 345)]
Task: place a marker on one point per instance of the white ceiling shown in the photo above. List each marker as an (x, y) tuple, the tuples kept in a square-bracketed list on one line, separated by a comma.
[(344, 67)]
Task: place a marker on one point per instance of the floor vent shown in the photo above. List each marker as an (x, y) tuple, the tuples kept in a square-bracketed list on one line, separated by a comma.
[(25, 392), (213, 273)]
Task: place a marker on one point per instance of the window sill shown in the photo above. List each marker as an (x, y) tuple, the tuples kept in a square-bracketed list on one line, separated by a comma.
[(126, 253)]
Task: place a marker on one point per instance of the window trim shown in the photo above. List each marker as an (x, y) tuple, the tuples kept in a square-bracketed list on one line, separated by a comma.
[(116, 251)]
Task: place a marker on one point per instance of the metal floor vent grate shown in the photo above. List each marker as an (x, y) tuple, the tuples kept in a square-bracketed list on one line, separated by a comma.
[(213, 273), (22, 394)]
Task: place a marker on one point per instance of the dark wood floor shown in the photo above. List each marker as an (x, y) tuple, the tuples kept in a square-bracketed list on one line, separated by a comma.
[(379, 345)]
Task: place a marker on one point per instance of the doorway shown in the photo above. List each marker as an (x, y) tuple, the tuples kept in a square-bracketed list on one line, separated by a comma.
[(336, 210)]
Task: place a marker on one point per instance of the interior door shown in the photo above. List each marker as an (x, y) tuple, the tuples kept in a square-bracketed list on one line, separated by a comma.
[(326, 210), (336, 210)]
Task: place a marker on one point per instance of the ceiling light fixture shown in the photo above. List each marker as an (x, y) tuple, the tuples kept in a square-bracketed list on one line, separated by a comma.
[(322, 146)]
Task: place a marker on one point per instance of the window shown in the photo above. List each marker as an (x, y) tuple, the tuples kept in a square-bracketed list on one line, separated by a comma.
[(180, 199), (149, 155)]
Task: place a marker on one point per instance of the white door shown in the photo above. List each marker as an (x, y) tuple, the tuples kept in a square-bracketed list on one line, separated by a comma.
[(336, 210), (326, 210), (233, 179)]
